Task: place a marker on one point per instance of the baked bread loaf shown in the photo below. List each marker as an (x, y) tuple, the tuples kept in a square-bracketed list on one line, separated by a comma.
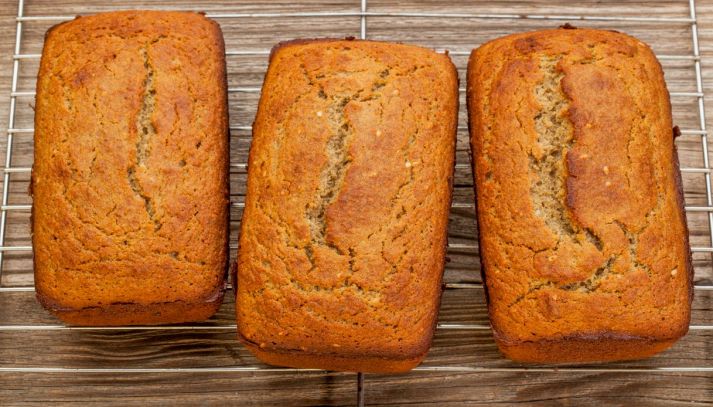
[(583, 236), (343, 238), (130, 176)]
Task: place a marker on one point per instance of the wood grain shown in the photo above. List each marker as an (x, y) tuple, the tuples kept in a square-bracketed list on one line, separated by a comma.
[(214, 344)]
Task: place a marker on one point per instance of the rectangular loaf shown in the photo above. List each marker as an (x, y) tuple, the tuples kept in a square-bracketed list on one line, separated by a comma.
[(583, 237), (343, 237), (130, 174)]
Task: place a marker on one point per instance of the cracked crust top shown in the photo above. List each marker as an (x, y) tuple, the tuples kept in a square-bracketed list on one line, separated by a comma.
[(344, 231), (583, 233), (130, 174)]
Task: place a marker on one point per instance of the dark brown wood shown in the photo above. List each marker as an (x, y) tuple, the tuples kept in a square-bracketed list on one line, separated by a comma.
[(216, 346)]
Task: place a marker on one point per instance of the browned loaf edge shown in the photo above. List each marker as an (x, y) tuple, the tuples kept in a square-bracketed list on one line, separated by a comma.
[(342, 243), (130, 176), (583, 236)]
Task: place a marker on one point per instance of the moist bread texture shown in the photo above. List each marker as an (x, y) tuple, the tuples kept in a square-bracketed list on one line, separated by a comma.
[(583, 237), (343, 237), (130, 175)]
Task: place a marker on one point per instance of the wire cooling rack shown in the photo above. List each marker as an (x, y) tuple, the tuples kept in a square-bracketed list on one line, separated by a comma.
[(673, 38)]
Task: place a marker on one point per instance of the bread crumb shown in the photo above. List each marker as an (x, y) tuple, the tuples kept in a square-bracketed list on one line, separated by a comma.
[(608, 183), (378, 133), (674, 272), (605, 169), (319, 113), (408, 164), (395, 92)]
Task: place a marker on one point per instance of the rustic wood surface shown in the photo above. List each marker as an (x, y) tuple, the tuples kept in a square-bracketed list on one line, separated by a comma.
[(214, 344)]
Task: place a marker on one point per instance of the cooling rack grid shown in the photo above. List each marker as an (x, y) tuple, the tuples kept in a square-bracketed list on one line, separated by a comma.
[(463, 345)]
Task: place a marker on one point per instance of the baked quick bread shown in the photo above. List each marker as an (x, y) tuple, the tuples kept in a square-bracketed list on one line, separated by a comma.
[(583, 236), (343, 237), (130, 178)]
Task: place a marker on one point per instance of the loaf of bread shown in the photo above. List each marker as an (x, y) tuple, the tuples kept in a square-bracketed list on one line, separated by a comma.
[(130, 175), (583, 236), (343, 237)]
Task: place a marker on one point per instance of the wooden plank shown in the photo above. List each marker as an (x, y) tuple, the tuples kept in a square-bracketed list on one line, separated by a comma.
[(213, 343), (309, 389)]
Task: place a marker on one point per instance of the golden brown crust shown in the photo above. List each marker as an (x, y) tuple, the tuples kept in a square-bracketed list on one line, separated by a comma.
[(336, 362), (343, 238), (584, 243), (119, 314), (130, 181), (600, 347)]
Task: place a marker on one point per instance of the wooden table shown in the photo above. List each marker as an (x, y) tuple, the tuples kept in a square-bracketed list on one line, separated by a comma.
[(30, 338)]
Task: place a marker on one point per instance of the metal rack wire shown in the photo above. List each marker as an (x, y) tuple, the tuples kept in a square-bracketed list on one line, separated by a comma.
[(16, 94)]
